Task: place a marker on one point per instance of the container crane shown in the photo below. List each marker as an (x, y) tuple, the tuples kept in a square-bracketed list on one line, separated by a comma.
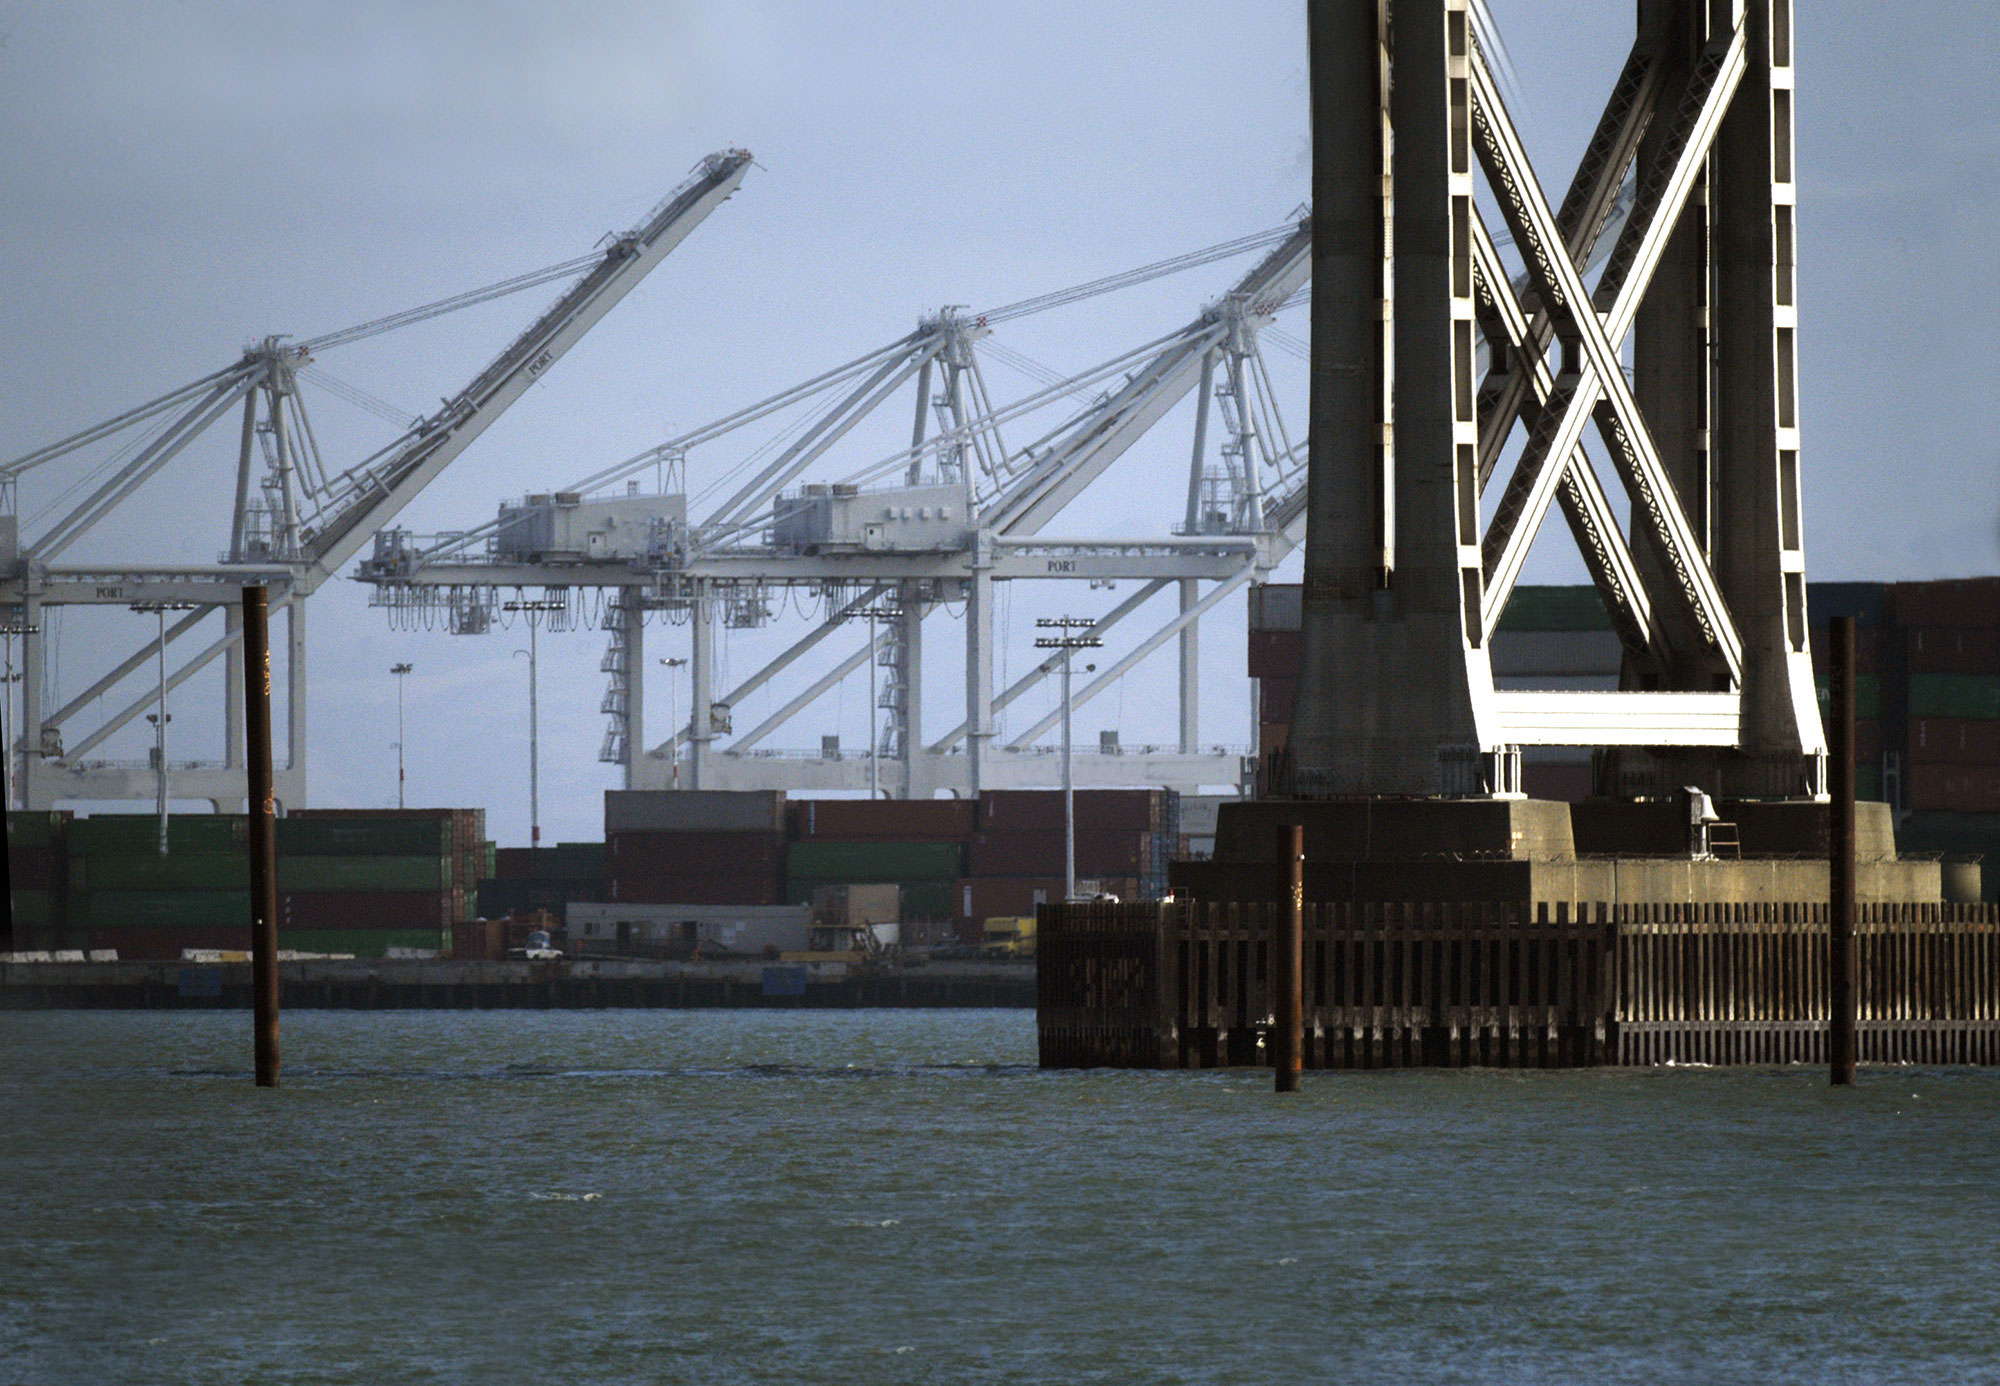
[(295, 521)]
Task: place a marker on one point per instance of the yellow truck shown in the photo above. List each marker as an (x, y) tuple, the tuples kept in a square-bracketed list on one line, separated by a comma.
[(1010, 936)]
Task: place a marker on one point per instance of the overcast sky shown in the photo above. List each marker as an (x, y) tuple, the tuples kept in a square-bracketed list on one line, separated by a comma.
[(182, 179)]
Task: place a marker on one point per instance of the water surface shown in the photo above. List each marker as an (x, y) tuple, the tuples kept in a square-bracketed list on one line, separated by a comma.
[(714, 1196)]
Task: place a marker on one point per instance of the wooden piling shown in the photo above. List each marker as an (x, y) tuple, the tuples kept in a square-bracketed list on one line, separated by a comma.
[(1288, 964), (1840, 865), (263, 832)]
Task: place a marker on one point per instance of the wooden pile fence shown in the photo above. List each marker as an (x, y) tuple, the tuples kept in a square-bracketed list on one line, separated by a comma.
[(1456, 985)]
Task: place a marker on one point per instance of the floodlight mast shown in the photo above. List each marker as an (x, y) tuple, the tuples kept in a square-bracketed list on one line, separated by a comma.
[(1069, 644)]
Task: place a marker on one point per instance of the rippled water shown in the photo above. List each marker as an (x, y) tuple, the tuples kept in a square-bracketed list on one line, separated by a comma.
[(712, 1196)]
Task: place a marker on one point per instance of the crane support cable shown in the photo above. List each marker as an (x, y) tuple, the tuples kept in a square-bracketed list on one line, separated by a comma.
[(1242, 245), (532, 279)]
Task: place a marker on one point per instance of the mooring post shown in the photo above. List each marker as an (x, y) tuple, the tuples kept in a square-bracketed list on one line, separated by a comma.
[(1840, 847), (263, 831), (1287, 973)]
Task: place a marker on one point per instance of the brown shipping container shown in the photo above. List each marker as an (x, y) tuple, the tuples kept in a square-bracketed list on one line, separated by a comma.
[(1868, 741), (694, 854), (480, 939), (1954, 650), (1275, 698), (694, 810), (154, 945), (1041, 810), (883, 820), (1960, 602), (668, 889), (1953, 788), (1032, 854), (1568, 783), (1953, 741), (355, 909), (37, 868), (1867, 649), (1274, 654)]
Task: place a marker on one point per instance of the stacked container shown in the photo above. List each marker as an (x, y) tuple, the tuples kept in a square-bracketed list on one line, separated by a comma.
[(349, 881), (525, 879), (38, 867), (1124, 840), (695, 846)]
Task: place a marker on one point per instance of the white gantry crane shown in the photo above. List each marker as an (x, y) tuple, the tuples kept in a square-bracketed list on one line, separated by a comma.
[(877, 548), (295, 520)]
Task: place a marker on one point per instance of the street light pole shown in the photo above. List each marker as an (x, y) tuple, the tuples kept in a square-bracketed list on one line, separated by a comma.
[(162, 717), (673, 711), (7, 716), (534, 720), (400, 671), (1068, 644)]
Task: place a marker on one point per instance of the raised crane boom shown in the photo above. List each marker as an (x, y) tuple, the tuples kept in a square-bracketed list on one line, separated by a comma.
[(383, 485)]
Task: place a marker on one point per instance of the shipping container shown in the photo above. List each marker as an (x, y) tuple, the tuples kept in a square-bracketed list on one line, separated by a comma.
[(1867, 695), (1867, 602), (363, 943), (830, 863), (884, 820), (1973, 697), (479, 939), (36, 910), (566, 861), (1098, 853), (497, 896), (1954, 741), (993, 897), (698, 890), (1274, 654), (310, 835), (38, 868), (1564, 781), (1275, 698), (1870, 649), (1953, 649), (1554, 608), (186, 832), (364, 909), (929, 899), (34, 832), (154, 909), (1041, 810), (364, 873), (1952, 788), (145, 869), (1957, 602), (1580, 654), (694, 853), (1277, 606), (166, 945), (694, 811), (1961, 835)]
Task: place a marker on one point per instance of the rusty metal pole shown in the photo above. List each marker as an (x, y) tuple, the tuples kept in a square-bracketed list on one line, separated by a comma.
[(1288, 965), (263, 831), (1840, 847)]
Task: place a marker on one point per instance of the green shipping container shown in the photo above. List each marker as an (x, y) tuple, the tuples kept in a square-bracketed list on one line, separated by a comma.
[(160, 909), (364, 873), (37, 909), (1554, 608), (363, 943), (863, 863), (1867, 696), (116, 833), (34, 832), (921, 899), (146, 869), (1974, 697), (364, 837)]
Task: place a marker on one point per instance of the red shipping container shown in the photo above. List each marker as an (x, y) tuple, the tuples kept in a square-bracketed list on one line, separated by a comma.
[(1274, 654), (1568, 782), (1868, 741), (1959, 602), (1953, 741), (883, 820), (1954, 650), (1867, 649), (364, 909), (1952, 788)]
